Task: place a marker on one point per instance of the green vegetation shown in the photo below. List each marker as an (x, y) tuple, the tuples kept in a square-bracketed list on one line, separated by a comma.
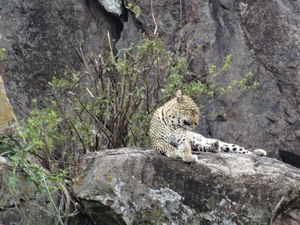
[(2, 50), (135, 9)]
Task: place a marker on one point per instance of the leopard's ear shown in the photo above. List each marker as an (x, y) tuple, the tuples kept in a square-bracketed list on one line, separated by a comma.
[(179, 96)]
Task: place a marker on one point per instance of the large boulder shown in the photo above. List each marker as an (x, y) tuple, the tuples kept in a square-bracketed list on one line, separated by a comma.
[(134, 186)]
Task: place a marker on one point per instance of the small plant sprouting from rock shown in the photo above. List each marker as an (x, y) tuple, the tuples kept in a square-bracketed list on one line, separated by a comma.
[(135, 9), (2, 50)]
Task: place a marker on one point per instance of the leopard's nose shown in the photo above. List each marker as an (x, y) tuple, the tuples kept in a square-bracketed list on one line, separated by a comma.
[(186, 123)]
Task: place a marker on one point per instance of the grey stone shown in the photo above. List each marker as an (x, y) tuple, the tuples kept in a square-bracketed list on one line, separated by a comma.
[(42, 39), (131, 186), (112, 6)]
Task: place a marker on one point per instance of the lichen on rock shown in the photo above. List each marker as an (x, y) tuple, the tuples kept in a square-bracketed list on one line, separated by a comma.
[(7, 116)]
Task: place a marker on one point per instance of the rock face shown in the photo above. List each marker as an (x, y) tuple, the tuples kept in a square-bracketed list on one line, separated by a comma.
[(43, 39), (111, 6), (132, 186), (263, 38)]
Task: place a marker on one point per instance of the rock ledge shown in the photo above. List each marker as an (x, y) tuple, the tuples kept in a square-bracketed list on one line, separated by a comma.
[(134, 186)]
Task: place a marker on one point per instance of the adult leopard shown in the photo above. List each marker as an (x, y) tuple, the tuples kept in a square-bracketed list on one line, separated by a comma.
[(171, 135)]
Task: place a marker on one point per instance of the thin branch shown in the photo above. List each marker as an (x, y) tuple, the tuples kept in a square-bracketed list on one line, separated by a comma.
[(152, 13)]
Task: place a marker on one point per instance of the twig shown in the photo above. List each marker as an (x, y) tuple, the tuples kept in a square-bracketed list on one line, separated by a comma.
[(110, 46), (180, 16), (155, 29), (52, 201)]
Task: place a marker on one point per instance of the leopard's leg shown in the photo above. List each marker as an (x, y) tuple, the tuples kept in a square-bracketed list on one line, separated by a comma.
[(166, 149), (185, 148), (202, 144), (260, 152), (226, 147)]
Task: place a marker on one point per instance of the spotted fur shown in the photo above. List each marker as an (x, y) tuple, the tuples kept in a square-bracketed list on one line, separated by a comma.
[(171, 135)]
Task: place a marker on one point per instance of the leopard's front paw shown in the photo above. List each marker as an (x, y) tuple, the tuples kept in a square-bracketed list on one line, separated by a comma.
[(175, 155), (260, 152), (190, 158)]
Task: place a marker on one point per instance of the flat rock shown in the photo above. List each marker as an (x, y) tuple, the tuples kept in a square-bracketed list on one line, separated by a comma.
[(134, 186)]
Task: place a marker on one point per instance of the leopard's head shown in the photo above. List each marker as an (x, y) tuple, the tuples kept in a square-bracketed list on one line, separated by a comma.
[(186, 111)]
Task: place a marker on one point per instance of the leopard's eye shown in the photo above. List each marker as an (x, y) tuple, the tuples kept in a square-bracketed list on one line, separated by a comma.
[(186, 123)]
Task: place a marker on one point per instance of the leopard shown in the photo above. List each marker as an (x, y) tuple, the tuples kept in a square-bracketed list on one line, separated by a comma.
[(171, 132)]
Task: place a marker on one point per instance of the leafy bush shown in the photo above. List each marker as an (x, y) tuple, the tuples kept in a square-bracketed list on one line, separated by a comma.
[(109, 106)]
